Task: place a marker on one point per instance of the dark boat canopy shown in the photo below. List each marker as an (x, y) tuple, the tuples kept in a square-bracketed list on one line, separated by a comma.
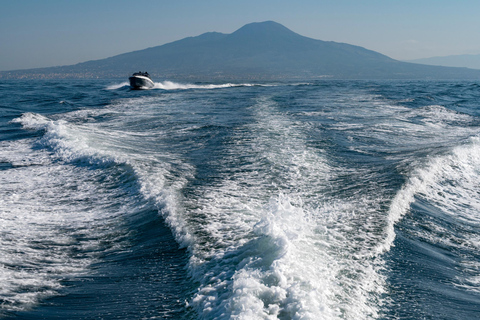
[(140, 73)]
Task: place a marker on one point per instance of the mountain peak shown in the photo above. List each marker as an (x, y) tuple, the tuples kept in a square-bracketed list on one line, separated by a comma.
[(266, 28)]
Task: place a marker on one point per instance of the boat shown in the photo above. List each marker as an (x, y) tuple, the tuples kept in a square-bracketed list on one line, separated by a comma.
[(141, 80)]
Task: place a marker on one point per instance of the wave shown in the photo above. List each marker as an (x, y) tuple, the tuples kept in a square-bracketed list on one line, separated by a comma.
[(449, 183), (106, 147), (438, 151), (61, 214)]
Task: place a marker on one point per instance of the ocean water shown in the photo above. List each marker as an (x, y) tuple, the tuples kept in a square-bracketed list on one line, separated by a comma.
[(283, 200)]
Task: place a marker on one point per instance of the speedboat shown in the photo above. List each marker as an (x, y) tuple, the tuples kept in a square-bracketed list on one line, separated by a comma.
[(141, 80)]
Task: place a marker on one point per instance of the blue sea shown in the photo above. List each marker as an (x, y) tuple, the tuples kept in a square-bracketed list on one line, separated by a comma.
[(264, 200)]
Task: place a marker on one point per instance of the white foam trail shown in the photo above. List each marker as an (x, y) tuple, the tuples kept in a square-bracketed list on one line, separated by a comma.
[(275, 246), (117, 86), (280, 225), (169, 85)]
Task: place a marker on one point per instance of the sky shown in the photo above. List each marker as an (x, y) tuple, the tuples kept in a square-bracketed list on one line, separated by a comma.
[(44, 33)]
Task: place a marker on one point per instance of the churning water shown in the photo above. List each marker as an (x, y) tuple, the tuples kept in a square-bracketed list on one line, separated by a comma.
[(314, 200)]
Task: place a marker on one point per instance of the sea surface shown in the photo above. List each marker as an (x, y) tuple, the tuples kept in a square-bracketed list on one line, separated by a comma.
[(274, 200)]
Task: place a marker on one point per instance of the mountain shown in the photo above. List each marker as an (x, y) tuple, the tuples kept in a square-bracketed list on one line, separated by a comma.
[(465, 60), (265, 50)]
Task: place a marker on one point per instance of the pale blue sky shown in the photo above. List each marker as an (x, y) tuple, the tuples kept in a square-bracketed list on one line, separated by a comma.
[(41, 33)]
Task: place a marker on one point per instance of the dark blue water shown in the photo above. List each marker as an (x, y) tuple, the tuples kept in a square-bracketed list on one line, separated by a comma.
[(295, 200)]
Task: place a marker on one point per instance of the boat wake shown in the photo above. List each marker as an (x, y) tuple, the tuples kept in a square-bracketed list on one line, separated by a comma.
[(170, 85), (276, 246), (297, 201), (117, 86), (67, 217)]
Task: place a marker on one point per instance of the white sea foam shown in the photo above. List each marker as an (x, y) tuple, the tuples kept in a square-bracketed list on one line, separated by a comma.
[(56, 217), (170, 85), (446, 179), (450, 184), (50, 218), (117, 86), (384, 126), (275, 244)]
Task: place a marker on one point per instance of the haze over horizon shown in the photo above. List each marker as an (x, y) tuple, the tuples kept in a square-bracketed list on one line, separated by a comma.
[(53, 32)]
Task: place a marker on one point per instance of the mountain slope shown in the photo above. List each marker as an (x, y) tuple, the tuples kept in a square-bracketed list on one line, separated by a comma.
[(464, 61), (265, 50)]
